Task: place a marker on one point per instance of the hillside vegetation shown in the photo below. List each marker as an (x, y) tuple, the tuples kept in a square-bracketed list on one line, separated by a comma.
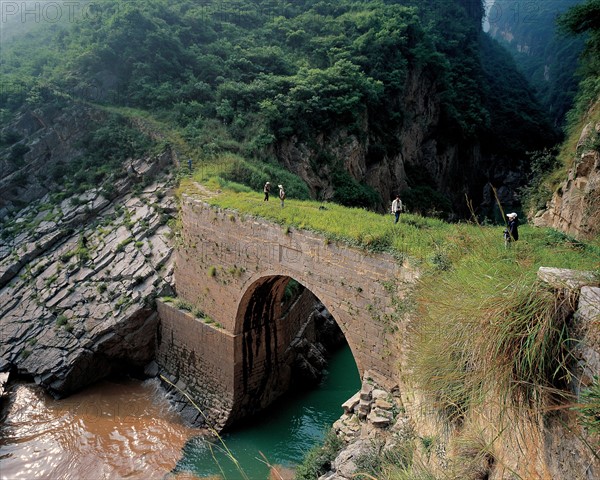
[(247, 77), (226, 85)]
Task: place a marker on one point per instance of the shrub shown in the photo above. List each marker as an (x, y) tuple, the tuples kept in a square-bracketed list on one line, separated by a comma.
[(121, 246), (9, 137), (183, 305), (426, 201), (17, 153), (318, 460), (65, 257), (351, 193)]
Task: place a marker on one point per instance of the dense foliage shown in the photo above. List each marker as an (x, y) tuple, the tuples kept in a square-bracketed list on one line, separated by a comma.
[(585, 19), (242, 76), (545, 56)]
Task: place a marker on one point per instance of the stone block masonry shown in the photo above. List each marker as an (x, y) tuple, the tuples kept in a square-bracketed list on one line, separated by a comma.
[(197, 358), (235, 270)]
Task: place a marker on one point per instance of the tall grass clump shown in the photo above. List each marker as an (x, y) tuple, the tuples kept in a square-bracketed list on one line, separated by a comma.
[(488, 329), (378, 462)]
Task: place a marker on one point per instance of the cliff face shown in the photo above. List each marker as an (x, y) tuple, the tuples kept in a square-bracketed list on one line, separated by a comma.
[(425, 155), (573, 208), (78, 275), (48, 142), (547, 58)]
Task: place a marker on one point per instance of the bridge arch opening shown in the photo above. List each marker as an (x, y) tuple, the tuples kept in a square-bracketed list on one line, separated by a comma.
[(286, 334)]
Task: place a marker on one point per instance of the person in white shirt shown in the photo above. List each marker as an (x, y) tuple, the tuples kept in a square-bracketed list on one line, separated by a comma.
[(397, 207), (281, 194)]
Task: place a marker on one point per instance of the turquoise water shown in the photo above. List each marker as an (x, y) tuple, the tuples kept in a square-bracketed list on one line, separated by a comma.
[(284, 434)]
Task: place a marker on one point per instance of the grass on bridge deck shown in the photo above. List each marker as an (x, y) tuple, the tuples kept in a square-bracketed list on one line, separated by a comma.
[(429, 243)]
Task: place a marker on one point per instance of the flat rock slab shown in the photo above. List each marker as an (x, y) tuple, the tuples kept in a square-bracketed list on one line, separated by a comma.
[(565, 278)]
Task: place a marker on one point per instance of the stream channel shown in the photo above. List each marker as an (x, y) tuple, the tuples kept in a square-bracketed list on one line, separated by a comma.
[(122, 428)]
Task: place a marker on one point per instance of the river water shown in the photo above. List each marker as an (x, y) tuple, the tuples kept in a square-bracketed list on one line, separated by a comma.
[(121, 429)]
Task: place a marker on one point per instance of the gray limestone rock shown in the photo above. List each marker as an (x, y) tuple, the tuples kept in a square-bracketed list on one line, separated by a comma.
[(345, 463), (565, 278), (76, 297), (587, 327)]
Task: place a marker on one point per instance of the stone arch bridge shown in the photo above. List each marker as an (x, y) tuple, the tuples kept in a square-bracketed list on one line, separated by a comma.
[(226, 348)]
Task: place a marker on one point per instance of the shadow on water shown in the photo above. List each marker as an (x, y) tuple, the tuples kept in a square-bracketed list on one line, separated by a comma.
[(283, 434)]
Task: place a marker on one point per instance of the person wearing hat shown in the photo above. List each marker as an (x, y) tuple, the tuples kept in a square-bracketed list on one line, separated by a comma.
[(281, 194), (267, 189), (512, 232)]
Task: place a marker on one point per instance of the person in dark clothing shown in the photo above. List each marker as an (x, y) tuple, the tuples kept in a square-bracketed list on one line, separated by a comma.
[(511, 234), (267, 189)]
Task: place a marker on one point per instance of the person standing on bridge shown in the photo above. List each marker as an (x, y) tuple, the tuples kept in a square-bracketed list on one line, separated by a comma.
[(511, 234), (281, 194), (397, 207), (266, 190)]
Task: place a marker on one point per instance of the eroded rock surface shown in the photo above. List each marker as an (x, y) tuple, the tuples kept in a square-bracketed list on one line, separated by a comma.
[(574, 205), (78, 279)]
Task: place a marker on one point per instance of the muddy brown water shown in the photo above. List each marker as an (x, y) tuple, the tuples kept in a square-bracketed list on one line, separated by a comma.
[(125, 429), (114, 429)]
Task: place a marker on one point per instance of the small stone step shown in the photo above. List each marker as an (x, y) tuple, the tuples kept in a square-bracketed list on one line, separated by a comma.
[(350, 404)]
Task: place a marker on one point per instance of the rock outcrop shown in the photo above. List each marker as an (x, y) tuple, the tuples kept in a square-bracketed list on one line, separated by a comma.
[(574, 207), (78, 279), (374, 421)]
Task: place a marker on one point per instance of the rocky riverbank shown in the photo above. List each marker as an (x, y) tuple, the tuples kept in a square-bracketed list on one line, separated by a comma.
[(374, 421)]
